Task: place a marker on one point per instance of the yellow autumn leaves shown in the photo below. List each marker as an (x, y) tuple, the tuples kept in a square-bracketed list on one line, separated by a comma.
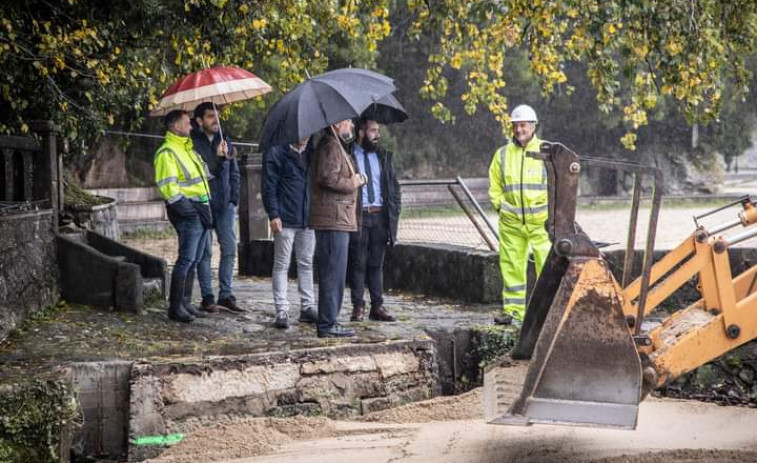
[(637, 53)]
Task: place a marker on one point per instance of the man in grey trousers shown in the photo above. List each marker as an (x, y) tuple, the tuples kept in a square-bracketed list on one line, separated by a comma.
[(285, 190)]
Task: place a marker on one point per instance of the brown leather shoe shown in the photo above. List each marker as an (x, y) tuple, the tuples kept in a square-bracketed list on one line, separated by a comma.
[(358, 313), (380, 314), (210, 306), (228, 303)]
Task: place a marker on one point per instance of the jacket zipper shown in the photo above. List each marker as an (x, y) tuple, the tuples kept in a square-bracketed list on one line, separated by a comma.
[(522, 201)]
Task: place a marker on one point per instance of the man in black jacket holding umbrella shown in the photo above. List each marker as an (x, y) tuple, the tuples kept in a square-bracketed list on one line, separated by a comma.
[(380, 200), (224, 182)]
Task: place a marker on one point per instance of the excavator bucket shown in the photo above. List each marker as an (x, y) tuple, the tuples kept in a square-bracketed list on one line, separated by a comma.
[(585, 369)]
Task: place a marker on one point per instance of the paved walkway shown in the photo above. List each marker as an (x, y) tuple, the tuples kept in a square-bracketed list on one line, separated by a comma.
[(80, 333)]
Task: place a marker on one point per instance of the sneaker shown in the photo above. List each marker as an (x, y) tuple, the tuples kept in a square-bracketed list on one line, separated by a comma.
[(309, 315), (228, 303), (380, 314), (282, 320)]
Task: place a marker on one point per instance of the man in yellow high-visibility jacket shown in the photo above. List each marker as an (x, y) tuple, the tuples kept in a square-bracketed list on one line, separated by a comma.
[(518, 192), (182, 180)]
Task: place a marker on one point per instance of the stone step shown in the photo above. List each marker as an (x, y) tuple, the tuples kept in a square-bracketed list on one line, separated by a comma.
[(144, 211), (123, 195)]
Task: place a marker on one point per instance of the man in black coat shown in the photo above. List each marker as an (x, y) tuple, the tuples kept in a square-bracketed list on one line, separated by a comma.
[(381, 200), (219, 156)]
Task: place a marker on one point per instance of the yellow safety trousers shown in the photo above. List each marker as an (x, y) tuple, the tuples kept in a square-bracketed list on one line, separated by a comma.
[(518, 192), (515, 243)]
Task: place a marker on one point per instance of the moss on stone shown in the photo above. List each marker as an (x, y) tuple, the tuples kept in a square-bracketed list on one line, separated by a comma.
[(37, 417), (488, 342)]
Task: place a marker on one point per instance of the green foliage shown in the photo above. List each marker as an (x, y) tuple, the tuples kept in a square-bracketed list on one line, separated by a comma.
[(34, 417), (88, 66), (635, 52)]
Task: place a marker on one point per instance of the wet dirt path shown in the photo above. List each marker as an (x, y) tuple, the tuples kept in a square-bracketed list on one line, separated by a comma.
[(451, 429), (668, 431)]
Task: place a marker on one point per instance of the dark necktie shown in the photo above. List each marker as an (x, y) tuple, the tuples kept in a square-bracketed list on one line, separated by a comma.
[(369, 176)]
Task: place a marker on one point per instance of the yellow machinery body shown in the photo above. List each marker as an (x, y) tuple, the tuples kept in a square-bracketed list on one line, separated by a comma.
[(590, 363)]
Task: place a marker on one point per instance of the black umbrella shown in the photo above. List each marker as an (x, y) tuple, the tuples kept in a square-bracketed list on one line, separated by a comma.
[(387, 110), (321, 101)]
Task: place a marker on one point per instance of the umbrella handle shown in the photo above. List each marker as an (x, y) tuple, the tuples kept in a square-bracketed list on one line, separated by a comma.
[(218, 121), (341, 148)]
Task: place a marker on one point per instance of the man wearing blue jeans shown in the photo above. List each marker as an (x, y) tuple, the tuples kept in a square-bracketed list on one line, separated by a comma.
[(181, 178), (285, 192), (224, 188)]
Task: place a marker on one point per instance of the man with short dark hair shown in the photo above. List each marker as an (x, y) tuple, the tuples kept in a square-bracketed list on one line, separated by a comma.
[(181, 178), (380, 201), (224, 186)]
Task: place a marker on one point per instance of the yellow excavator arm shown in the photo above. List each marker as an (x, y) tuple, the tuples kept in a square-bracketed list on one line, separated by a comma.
[(590, 363)]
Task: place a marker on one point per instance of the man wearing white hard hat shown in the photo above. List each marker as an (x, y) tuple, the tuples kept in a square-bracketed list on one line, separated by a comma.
[(518, 192)]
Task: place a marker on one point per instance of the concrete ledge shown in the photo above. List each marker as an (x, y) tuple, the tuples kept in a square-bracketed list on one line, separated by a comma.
[(337, 381), (439, 270), (104, 273)]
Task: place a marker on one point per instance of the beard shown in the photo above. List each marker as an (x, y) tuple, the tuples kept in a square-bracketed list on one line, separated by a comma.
[(369, 146)]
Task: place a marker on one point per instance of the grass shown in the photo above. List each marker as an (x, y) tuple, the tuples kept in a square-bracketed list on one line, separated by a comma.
[(433, 211), (149, 233)]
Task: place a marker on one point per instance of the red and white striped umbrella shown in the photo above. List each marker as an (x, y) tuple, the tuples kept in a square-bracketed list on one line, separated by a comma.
[(220, 85)]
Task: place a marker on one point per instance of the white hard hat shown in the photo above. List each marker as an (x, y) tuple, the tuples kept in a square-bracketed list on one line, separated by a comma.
[(523, 113)]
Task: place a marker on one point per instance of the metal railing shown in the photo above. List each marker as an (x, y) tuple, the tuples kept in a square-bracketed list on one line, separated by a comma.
[(445, 212)]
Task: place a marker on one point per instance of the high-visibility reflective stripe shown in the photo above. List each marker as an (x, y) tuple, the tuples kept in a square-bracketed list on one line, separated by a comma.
[(514, 301), (517, 210), (508, 208), (515, 288), (502, 152), (192, 181), (526, 186), (538, 209), (178, 161), (166, 181), (174, 198)]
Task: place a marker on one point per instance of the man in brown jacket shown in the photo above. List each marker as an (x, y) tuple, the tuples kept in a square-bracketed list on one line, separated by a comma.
[(333, 215)]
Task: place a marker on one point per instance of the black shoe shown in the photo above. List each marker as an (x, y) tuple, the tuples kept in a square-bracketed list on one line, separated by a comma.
[(358, 313), (380, 314), (336, 331), (230, 304), (180, 315), (210, 306), (503, 320), (309, 315), (282, 320), (194, 312)]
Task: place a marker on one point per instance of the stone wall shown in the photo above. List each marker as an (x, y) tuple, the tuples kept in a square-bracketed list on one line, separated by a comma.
[(28, 267), (338, 382)]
